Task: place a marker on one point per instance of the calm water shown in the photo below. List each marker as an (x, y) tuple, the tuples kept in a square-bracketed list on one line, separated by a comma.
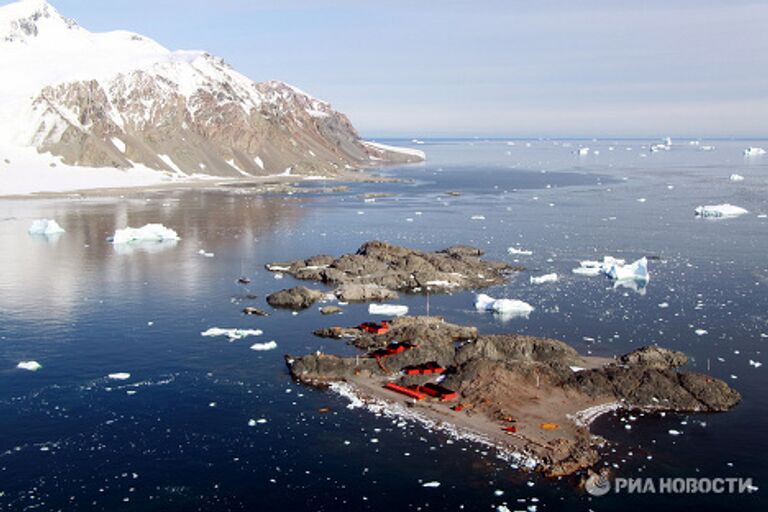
[(176, 435)]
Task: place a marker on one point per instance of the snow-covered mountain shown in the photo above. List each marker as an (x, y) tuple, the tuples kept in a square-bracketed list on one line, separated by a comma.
[(120, 100)]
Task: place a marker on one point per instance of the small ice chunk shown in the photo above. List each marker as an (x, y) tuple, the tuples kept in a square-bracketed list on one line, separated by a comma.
[(514, 251), (31, 366), (507, 308), (202, 252), (387, 309), (148, 233), (736, 177), (673, 432), (119, 376), (478, 217), (546, 278), (45, 227), (756, 364), (270, 345), (583, 151), (701, 332), (434, 484), (717, 211), (754, 151), (232, 334)]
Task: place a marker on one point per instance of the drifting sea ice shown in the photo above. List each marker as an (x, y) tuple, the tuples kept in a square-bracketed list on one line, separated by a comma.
[(753, 151), (387, 309), (119, 376), (718, 211), (736, 177), (31, 366), (148, 233), (546, 278), (636, 271), (45, 227), (232, 334), (507, 308), (270, 345)]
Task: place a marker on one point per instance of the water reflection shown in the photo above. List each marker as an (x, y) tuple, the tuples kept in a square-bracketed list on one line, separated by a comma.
[(65, 270)]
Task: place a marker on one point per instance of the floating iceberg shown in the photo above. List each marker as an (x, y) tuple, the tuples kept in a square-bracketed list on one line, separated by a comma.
[(119, 376), (148, 233), (45, 227), (736, 177), (31, 366), (232, 334), (433, 485), (546, 278), (507, 308), (270, 345), (718, 211), (387, 309), (582, 151), (752, 151), (636, 271), (634, 276), (514, 251)]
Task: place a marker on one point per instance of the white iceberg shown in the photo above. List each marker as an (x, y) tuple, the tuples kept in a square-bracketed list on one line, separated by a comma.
[(582, 151), (433, 485), (45, 227), (148, 233), (31, 366), (507, 308), (232, 334), (736, 177), (719, 211), (546, 278), (635, 271), (260, 347), (753, 151), (387, 309), (119, 376), (514, 251)]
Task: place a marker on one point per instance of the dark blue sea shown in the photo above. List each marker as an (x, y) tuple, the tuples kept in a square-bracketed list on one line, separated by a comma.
[(177, 435)]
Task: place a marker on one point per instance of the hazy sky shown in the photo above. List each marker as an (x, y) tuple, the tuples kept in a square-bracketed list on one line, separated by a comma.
[(450, 67)]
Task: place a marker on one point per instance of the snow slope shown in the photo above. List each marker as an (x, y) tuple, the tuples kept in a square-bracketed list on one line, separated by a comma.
[(134, 112)]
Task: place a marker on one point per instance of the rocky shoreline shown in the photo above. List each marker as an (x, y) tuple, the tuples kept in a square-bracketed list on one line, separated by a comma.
[(526, 395), (377, 271)]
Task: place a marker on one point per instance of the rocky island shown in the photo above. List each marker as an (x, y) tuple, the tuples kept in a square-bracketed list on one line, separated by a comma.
[(528, 396), (379, 270)]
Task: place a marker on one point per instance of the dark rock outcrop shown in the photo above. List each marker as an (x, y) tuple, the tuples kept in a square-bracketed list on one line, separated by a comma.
[(294, 298), (380, 266)]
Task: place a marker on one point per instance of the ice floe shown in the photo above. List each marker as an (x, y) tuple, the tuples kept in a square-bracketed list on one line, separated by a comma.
[(387, 309), (736, 177), (717, 211), (506, 308), (546, 278), (260, 347), (754, 151), (45, 227), (31, 366), (148, 233), (119, 376), (232, 334), (433, 484), (514, 251)]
